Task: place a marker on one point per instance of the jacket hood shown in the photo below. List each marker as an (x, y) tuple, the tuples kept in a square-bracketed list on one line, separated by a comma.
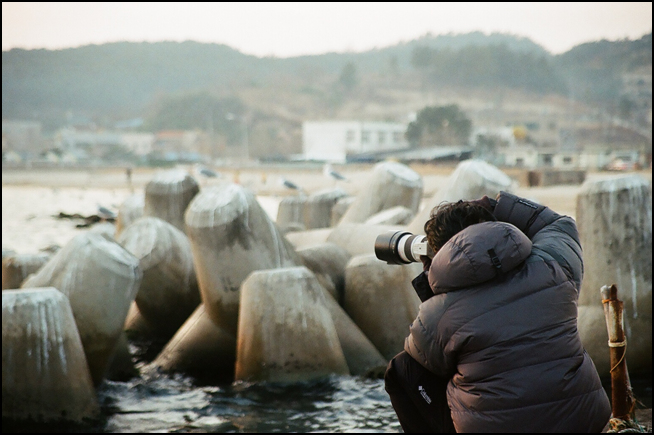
[(478, 254)]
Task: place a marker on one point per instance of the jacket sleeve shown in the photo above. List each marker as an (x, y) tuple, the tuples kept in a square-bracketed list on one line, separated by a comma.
[(553, 234), (429, 339)]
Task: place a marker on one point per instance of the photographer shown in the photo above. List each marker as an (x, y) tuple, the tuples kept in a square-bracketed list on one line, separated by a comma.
[(495, 346)]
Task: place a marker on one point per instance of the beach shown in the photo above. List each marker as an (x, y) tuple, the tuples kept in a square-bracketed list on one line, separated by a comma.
[(31, 197)]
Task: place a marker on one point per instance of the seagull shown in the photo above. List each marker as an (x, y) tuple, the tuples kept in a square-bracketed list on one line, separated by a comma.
[(290, 185), (105, 213), (328, 171), (208, 172)]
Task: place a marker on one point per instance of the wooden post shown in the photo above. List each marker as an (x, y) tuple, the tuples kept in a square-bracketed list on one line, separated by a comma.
[(622, 399)]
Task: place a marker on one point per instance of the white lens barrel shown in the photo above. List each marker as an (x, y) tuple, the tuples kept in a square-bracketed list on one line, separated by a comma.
[(411, 246)]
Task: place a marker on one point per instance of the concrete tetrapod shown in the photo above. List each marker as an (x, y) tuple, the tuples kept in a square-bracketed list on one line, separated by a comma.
[(380, 299), (339, 209), (327, 261), (318, 207), (471, 179), (285, 330), (359, 239), (130, 210), (45, 377), (101, 280), (200, 349), (169, 292), (168, 195), (391, 184), (399, 215), (290, 213), (17, 267), (363, 358), (231, 235), (614, 218)]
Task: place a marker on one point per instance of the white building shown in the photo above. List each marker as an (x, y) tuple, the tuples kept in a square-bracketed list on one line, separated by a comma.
[(335, 140), (71, 139)]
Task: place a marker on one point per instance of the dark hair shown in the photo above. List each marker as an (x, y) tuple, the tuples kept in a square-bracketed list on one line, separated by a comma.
[(449, 218)]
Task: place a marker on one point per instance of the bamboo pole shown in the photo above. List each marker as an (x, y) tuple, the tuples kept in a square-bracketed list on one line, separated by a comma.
[(622, 398)]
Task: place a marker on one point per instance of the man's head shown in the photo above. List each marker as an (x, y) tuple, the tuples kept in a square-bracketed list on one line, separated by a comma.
[(449, 218)]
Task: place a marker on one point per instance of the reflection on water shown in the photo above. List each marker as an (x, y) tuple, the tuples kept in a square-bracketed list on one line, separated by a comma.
[(172, 404)]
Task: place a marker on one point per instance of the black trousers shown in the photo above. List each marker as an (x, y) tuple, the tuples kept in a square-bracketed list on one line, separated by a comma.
[(418, 396)]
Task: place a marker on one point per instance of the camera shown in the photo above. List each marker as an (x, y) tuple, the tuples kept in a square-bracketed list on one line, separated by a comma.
[(401, 247)]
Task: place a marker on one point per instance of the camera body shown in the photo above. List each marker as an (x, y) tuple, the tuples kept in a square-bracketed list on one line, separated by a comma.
[(401, 247)]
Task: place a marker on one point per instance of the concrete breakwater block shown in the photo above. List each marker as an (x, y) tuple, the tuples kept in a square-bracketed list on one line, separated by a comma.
[(359, 239), (552, 177), (327, 261), (290, 213), (318, 208), (471, 179), (100, 279), (285, 331), (106, 230), (339, 209), (231, 235), (614, 218), (308, 238), (45, 377), (121, 367), (200, 349), (168, 195), (390, 184), (399, 215), (169, 292), (130, 210), (380, 299), (17, 267), (362, 357)]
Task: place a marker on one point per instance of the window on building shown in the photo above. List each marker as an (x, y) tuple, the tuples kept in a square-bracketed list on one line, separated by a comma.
[(519, 162), (397, 136), (567, 160), (381, 136), (350, 135), (365, 136)]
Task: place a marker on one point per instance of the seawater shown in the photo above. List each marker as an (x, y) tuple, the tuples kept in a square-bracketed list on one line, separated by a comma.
[(174, 404)]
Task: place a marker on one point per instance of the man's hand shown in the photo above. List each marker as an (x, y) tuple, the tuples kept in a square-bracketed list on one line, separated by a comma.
[(486, 202), (426, 262)]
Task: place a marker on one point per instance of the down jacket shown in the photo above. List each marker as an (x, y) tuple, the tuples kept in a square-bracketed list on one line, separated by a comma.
[(501, 323)]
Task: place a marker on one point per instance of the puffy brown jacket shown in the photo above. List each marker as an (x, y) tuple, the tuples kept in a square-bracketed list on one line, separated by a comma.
[(502, 325)]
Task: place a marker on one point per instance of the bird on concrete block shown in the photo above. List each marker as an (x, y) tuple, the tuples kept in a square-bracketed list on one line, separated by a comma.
[(290, 185), (328, 171)]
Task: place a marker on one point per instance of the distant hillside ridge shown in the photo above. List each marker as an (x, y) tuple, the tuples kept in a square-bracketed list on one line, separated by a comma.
[(123, 79)]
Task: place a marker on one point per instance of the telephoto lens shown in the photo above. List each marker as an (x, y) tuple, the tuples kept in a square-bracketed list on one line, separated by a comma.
[(401, 247)]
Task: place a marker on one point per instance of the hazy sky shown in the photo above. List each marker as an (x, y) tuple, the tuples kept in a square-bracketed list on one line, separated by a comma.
[(292, 29)]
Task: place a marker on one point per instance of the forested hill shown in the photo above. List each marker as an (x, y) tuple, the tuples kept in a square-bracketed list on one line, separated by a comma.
[(127, 77)]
